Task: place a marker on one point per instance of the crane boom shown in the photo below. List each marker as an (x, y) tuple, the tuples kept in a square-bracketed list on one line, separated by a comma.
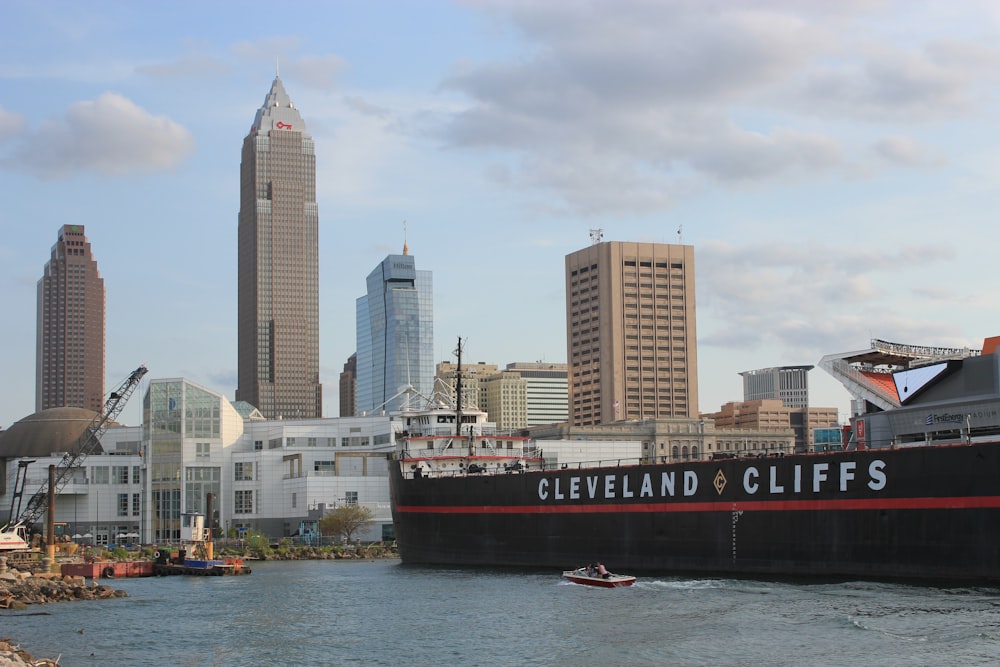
[(89, 441)]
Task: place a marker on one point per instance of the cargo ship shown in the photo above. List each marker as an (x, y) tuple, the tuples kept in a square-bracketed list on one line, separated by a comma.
[(912, 493)]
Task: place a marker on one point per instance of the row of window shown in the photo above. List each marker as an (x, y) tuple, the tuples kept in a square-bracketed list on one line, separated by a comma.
[(114, 475)]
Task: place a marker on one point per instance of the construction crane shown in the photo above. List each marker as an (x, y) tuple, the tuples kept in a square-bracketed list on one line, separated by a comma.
[(89, 442)]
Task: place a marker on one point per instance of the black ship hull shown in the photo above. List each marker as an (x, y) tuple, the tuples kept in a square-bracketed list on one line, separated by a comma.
[(930, 512)]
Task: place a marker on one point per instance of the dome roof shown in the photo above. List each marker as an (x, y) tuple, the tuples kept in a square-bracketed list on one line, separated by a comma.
[(45, 432)]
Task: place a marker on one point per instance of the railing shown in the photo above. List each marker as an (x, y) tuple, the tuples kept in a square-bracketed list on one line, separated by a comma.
[(518, 467)]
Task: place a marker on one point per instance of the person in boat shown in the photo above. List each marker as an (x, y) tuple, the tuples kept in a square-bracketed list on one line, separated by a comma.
[(602, 571), (591, 570)]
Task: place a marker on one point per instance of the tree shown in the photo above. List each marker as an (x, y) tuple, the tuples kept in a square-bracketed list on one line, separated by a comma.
[(346, 520)]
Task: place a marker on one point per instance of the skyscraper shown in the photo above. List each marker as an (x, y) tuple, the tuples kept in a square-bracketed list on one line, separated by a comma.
[(630, 323), (348, 387), (789, 384), (395, 335), (278, 303), (70, 335)]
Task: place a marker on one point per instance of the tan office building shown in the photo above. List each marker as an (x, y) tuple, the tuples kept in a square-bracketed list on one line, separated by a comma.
[(631, 337), (278, 265)]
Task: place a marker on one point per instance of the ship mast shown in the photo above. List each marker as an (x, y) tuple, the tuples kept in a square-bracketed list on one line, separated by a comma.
[(458, 391)]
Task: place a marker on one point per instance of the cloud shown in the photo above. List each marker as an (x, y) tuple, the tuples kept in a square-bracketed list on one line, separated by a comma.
[(904, 151), (267, 50), (366, 108), (656, 100), (317, 71), (189, 67), (11, 124), (110, 135), (808, 299)]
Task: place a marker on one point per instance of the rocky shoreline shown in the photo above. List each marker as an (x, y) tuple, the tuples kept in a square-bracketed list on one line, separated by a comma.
[(18, 589), (11, 655)]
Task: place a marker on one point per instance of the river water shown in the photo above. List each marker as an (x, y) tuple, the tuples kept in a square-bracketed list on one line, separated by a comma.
[(318, 613)]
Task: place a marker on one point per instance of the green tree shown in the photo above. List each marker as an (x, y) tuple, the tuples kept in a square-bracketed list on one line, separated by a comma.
[(346, 520), (258, 544)]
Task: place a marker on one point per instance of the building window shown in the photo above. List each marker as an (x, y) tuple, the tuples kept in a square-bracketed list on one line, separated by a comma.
[(294, 499), (202, 450), (99, 474), (135, 504), (243, 502), (136, 474), (351, 497), (119, 474), (243, 472), (258, 445), (122, 504)]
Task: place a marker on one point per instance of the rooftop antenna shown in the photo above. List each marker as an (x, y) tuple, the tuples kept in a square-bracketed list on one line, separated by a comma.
[(406, 249), (276, 67), (596, 236)]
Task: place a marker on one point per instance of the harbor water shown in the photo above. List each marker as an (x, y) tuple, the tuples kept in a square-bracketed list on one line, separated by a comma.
[(318, 613)]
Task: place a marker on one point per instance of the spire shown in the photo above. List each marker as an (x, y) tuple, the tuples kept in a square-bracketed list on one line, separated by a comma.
[(406, 249), (278, 112)]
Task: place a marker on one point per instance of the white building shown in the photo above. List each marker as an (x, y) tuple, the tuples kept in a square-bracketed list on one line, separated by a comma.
[(277, 477)]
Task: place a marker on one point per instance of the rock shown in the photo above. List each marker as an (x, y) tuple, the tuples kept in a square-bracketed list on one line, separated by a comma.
[(41, 590), (12, 656)]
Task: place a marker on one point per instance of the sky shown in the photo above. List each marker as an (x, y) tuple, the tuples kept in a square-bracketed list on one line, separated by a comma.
[(835, 165)]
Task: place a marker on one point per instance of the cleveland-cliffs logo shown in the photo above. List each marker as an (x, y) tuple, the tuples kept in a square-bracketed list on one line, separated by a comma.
[(755, 481)]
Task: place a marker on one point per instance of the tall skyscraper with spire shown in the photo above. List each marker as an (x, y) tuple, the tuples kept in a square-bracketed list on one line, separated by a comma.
[(278, 303), (70, 336), (395, 336)]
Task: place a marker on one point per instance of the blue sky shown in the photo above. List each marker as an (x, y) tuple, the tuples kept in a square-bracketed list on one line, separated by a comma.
[(834, 164)]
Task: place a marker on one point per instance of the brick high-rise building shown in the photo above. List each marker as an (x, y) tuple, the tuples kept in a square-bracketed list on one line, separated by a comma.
[(70, 336), (631, 338), (278, 302), (349, 387)]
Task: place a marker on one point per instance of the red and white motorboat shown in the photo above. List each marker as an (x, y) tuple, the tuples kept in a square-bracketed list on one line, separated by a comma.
[(587, 577)]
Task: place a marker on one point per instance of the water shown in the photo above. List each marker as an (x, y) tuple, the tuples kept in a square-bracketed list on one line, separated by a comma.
[(318, 613)]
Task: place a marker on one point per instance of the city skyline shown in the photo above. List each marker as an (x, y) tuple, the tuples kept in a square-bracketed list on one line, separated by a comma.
[(832, 165)]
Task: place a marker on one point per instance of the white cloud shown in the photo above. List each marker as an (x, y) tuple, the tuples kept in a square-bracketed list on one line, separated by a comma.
[(806, 299), (11, 124), (316, 71), (904, 151), (110, 135), (188, 67), (651, 100)]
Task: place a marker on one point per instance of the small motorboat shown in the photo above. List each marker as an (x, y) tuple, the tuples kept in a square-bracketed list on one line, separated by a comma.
[(590, 578)]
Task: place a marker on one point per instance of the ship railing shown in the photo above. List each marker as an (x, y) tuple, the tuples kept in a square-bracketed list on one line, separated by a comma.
[(461, 450), (528, 465), (599, 463)]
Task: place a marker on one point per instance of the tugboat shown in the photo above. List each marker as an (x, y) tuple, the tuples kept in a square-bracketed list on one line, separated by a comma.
[(197, 555)]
